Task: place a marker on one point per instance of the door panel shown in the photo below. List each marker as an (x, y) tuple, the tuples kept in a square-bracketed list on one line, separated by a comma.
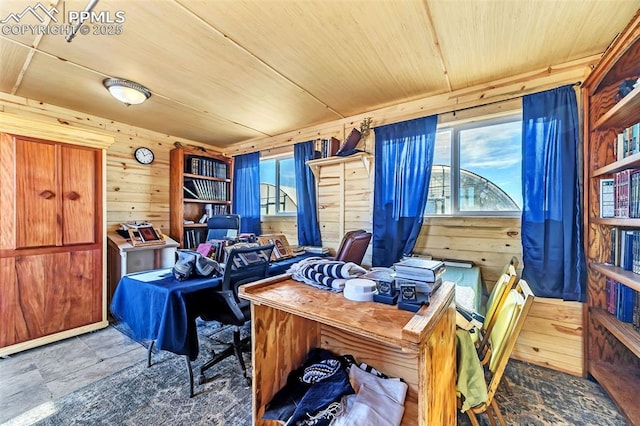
[(78, 195), (50, 293), (37, 220)]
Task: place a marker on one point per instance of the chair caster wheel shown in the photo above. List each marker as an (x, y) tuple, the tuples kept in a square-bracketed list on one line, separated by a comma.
[(201, 379)]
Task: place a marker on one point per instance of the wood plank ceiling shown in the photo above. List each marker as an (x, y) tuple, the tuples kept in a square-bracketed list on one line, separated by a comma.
[(222, 72)]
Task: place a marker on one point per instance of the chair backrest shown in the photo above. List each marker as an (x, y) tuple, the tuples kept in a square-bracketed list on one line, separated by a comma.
[(353, 246), (509, 321), (220, 225), (496, 298), (511, 266), (246, 264)]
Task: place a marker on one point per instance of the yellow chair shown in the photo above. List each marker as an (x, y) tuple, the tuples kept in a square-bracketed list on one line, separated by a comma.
[(498, 293), (509, 321)]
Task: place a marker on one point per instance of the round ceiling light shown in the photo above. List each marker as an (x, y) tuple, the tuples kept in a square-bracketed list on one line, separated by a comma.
[(128, 92)]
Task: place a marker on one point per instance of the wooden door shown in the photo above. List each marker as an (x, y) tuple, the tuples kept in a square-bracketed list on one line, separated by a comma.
[(78, 189), (36, 194)]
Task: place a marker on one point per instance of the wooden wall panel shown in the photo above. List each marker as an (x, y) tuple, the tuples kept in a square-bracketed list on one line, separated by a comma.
[(553, 336), (134, 192)]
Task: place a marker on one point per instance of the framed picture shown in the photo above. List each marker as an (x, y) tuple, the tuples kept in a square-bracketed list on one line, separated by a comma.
[(282, 249), (148, 234)]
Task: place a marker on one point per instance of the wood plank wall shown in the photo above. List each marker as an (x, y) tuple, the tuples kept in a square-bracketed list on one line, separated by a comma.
[(136, 192)]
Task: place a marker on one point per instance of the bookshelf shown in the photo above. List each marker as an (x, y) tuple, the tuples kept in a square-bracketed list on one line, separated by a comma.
[(612, 346), (200, 182)]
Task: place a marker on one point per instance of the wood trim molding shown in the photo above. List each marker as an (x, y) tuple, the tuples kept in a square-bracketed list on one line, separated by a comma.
[(17, 125), (475, 96)]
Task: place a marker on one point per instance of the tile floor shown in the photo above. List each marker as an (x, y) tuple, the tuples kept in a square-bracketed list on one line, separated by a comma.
[(32, 379)]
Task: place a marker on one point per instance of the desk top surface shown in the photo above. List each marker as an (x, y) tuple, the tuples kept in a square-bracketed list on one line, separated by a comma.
[(125, 245), (377, 321)]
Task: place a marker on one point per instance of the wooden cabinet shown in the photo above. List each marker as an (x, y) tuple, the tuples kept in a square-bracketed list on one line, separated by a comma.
[(290, 318), (200, 181), (55, 195), (125, 258), (613, 347), (51, 233)]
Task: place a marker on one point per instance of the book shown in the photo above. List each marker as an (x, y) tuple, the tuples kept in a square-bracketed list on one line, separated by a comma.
[(467, 319), (420, 269), (425, 287), (458, 263), (607, 199)]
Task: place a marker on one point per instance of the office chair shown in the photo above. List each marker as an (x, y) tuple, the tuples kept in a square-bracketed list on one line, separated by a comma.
[(220, 225), (353, 246), (244, 265)]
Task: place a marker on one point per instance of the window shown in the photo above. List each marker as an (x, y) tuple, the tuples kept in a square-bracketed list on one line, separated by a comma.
[(277, 186), (477, 168)]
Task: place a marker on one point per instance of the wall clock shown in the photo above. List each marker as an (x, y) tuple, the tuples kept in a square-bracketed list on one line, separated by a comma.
[(144, 155)]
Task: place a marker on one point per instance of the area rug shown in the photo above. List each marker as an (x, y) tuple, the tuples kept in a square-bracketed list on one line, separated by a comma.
[(159, 395), (537, 396)]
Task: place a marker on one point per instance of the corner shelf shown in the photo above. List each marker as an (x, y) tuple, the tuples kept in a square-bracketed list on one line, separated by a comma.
[(365, 157)]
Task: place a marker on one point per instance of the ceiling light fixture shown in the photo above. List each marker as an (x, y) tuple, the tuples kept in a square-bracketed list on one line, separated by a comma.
[(129, 92)]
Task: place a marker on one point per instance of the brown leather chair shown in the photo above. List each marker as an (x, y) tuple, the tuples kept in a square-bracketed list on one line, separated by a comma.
[(353, 246)]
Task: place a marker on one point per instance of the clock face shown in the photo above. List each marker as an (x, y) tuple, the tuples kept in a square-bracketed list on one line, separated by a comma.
[(144, 155)]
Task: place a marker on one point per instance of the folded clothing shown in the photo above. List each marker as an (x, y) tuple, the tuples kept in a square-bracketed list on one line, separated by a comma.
[(378, 401), (325, 273), (319, 382)]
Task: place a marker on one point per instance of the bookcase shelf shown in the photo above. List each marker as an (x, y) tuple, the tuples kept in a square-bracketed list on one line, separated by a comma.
[(612, 346), (216, 179), (624, 222), (632, 161), (623, 114), (627, 278), (184, 186), (623, 331), (194, 200), (622, 384)]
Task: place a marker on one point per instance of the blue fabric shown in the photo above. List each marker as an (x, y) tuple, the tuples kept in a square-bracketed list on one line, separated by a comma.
[(162, 309), (552, 252), (308, 228), (403, 158), (301, 396), (165, 309), (246, 191)]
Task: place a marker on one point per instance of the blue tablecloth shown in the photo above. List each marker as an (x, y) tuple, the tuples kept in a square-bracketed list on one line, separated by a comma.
[(162, 309), (156, 306), (466, 277)]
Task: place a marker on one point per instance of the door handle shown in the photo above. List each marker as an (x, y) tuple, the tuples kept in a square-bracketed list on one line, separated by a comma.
[(46, 194), (73, 195)]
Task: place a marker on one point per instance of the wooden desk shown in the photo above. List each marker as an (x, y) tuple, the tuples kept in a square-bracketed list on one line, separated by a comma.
[(290, 318), (124, 258)]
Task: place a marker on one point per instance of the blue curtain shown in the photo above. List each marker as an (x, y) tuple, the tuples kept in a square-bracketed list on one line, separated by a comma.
[(308, 228), (246, 191), (552, 251), (403, 158)]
